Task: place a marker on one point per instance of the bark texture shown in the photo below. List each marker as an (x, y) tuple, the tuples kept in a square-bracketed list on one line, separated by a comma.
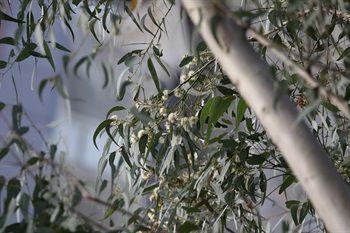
[(309, 162)]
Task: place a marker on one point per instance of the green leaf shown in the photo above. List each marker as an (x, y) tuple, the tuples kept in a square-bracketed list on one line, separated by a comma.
[(241, 108), (79, 63), (123, 58), (100, 127), (154, 75), (294, 213), (105, 72), (13, 188), (61, 47), (257, 159), (186, 60), (143, 143), (122, 90), (345, 53), (49, 56), (226, 91), (162, 65), (288, 181), (303, 212), (291, 203), (202, 46), (41, 88), (36, 54), (69, 27), (33, 161), (92, 30), (2, 182), (129, 12), (22, 55), (87, 9), (3, 152), (214, 109), (149, 11), (17, 112), (105, 15), (115, 109), (144, 26), (6, 17), (2, 105), (125, 156), (77, 196), (8, 40), (3, 64), (188, 227)]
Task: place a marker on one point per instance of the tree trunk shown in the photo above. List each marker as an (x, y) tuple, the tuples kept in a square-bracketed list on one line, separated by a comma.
[(309, 162)]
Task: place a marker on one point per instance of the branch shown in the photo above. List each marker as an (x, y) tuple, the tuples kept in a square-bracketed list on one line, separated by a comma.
[(309, 162)]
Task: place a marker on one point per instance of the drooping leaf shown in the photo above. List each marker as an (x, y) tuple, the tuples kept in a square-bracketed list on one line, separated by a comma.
[(162, 65), (154, 75), (3, 152), (288, 181), (241, 108), (149, 11), (6, 17), (115, 109), (129, 12), (99, 128), (61, 47), (8, 40), (49, 56), (143, 24), (345, 53)]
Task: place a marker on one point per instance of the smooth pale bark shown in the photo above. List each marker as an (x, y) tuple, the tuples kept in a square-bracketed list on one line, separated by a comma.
[(325, 187)]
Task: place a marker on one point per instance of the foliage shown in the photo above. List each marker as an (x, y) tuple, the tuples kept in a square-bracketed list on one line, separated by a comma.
[(196, 158)]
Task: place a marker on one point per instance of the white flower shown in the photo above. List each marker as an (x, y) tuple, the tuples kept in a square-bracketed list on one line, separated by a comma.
[(193, 120), (165, 94), (190, 73), (163, 111), (185, 123), (115, 121), (167, 126), (141, 133), (183, 78), (178, 92), (137, 105), (172, 117), (177, 140), (161, 140), (133, 138)]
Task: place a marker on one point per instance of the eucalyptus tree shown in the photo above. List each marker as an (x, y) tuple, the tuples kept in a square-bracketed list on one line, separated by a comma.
[(262, 100)]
